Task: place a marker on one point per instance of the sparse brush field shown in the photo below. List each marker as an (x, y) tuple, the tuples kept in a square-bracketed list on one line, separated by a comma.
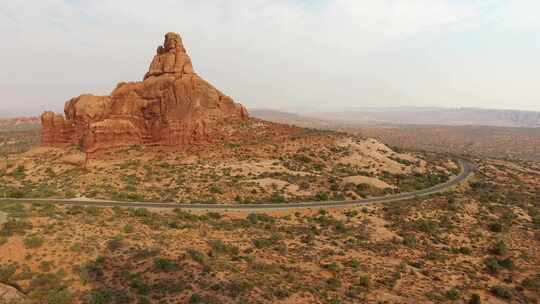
[(18, 141), (266, 163), (478, 244)]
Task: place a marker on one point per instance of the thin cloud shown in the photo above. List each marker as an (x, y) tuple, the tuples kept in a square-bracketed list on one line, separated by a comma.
[(272, 53)]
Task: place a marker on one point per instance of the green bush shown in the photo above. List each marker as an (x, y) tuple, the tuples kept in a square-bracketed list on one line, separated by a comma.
[(165, 265), (321, 196), (501, 292), (452, 294), (33, 241), (15, 227), (238, 287), (499, 248), (532, 283), (255, 218), (496, 227), (197, 256), (128, 228), (333, 283), (410, 240), (7, 272), (475, 299), (219, 246), (115, 243), (142, 212), (277, 198), (106, 296)]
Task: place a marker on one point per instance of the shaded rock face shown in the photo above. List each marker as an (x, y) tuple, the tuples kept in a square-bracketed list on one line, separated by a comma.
[(9, 294), (171, 107)]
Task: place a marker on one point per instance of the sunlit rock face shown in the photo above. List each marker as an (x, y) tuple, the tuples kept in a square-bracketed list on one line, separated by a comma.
[(171, 107)]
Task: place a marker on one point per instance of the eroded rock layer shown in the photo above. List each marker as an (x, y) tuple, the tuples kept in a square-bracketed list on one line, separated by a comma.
[(171, 107)]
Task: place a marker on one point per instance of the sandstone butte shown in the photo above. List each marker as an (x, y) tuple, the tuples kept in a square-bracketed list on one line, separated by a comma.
[(171, 107)]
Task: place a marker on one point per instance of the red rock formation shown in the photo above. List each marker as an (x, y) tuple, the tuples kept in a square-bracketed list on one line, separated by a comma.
[(171, 107)]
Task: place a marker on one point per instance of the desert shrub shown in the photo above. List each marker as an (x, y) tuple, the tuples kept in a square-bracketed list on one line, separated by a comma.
[(46, 266), (53, 296), (14, 210), (142, 212), (462, 250), (499, 248), (321, 196), (492, 265), (501, 292), (264, 242), (364, 282), (128, 228), (532, 283), (333, 283), (216, 189), (302, 158), (410, 240), (144, 253), (19, 172), (355, 264), (94, 211), (506, 263), (195, 299), (165, 265), (434, 255), (197, 256), (214, 215), (75, 210), (340, 227), (7, 272), (15, 227), (475, 299), (46, 281), (238, 287), (277, 198), (76, 247), (92, 271), (115, 243), (106, 296), (140, 286), (351, 214), (452, 294), (495, 227), (33, 241), (219, 246), (332, 266), (427, 226), (255, 218)]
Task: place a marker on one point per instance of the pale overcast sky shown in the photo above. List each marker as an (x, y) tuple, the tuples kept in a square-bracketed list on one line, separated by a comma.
[(278, 53)]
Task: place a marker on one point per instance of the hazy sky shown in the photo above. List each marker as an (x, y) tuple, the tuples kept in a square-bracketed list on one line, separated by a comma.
[(277, 53)]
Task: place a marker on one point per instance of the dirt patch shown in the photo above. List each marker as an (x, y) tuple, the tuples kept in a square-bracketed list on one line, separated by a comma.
[(374, 182)]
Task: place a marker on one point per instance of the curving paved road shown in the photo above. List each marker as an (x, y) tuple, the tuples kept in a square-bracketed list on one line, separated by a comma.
[(467, 169)]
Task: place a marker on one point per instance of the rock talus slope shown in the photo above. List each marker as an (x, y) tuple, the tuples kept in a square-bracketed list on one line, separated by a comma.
[(171, 107)]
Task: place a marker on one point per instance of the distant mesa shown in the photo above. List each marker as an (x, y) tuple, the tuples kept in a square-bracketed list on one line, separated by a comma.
[(172, 107)]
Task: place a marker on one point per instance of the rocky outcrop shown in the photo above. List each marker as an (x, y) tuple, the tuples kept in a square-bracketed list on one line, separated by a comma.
[(171, 107), (9, 294)]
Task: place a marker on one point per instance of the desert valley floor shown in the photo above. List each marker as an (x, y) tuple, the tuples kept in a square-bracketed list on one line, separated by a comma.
[(479, 243)]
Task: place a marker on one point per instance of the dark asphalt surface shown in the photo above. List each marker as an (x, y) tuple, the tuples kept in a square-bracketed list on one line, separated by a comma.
[(467, 169)]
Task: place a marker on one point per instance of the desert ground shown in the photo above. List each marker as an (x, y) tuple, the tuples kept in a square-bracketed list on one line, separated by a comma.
[(264, 162), (479, 243)]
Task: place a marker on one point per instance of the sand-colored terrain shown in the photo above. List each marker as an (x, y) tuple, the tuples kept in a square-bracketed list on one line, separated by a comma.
[(263, 162), (479, 242)]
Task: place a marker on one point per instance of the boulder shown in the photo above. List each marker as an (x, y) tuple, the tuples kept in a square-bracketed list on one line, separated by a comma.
[(9, 294)]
